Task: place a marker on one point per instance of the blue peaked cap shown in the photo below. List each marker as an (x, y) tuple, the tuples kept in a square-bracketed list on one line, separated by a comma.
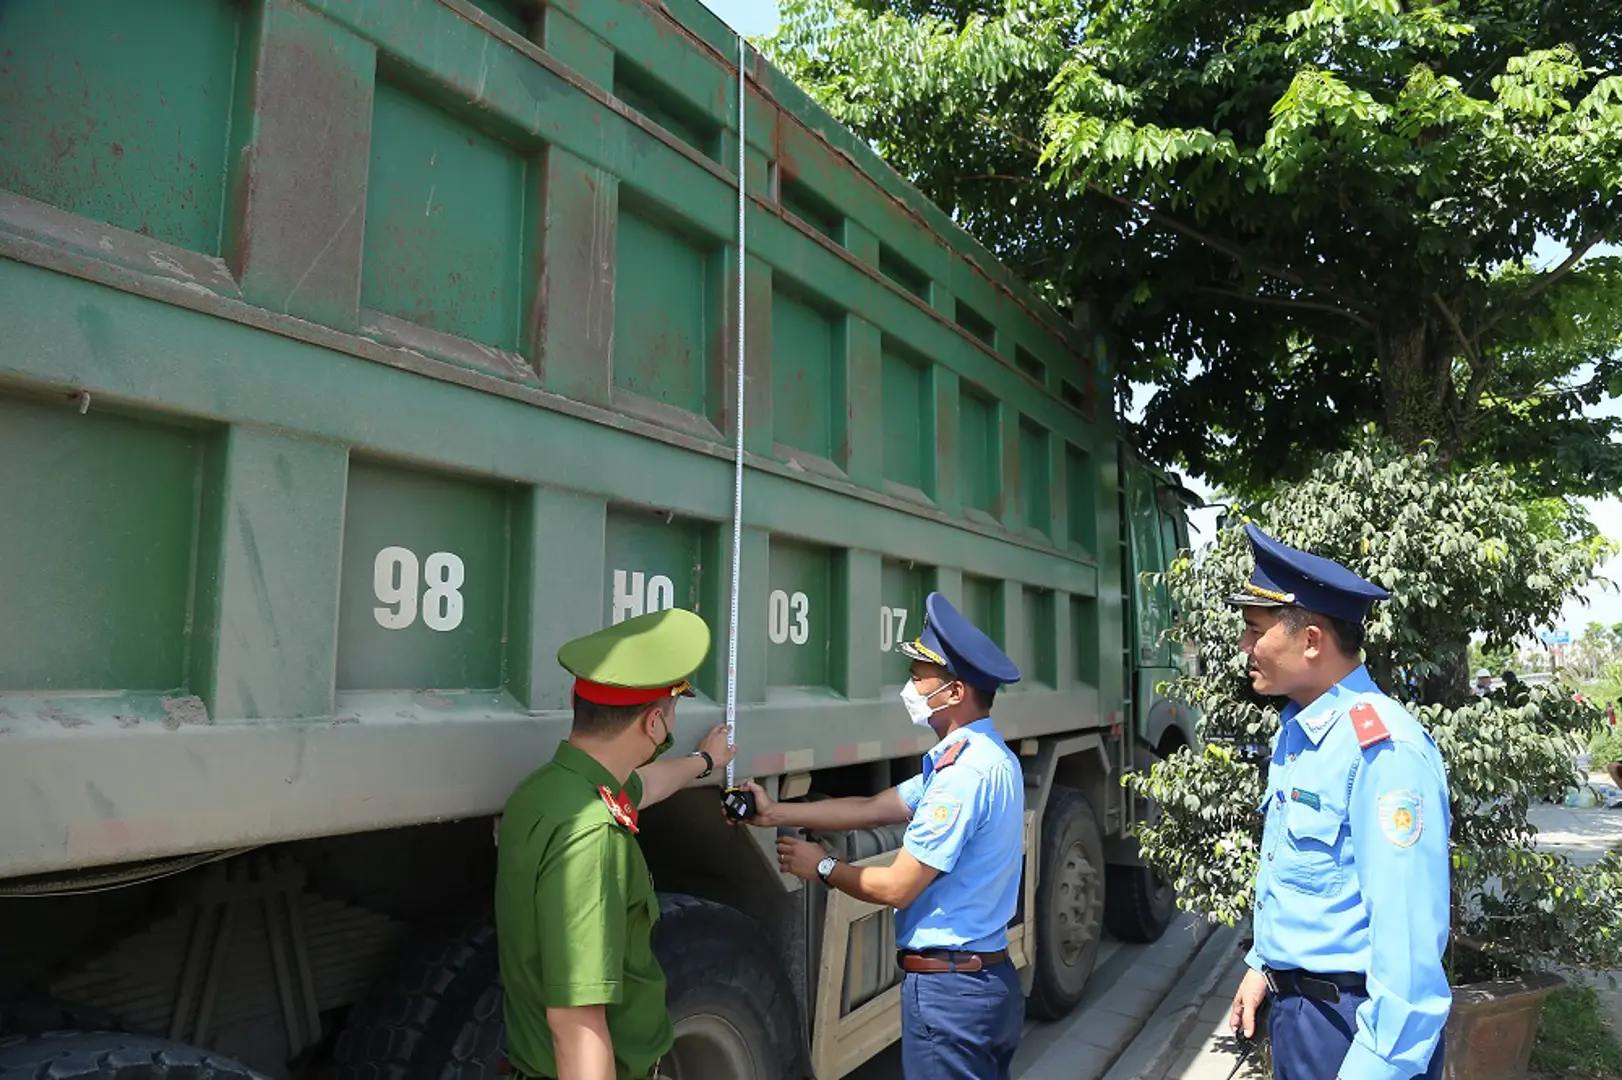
[(1285, 576), (956, 644)]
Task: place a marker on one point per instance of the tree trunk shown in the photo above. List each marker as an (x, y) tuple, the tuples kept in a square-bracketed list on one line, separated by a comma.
[(1416, 380)]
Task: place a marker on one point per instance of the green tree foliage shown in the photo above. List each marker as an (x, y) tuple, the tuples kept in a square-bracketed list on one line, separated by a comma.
[(1304, 215), (1459, 558)]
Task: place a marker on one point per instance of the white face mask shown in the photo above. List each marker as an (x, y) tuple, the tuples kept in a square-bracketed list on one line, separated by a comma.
[(918, 704)]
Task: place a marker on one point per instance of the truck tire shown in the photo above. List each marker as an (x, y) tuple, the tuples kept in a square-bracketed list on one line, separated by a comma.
[(731, 1004), (104, 1055), (404, 1028), (1138, 906), (1069, 904), (36, 1016)]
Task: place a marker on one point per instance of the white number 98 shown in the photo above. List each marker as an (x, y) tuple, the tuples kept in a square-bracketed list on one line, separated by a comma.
[(396, 577)]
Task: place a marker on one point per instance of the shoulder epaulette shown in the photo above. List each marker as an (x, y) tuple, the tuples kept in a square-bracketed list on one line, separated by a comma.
[(1368, 725), (951, 754)]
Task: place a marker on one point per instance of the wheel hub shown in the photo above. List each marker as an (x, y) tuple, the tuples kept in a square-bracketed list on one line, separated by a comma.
[(1076, 904), (708, 1047)]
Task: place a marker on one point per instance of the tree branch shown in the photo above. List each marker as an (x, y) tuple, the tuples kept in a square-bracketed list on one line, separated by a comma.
[(1232, 251), (1471, 355), (1287, 302), (1582, 248)]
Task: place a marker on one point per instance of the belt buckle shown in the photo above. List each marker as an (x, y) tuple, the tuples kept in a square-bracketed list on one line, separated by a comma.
[(1272, 981)]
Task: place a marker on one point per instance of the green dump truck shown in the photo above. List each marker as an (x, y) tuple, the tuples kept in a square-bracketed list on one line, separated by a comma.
[(354, 354)]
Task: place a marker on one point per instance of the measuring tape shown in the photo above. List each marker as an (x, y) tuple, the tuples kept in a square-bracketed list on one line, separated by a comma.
[(739, 804)]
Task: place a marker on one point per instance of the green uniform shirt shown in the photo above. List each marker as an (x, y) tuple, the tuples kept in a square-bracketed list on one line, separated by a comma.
[(575, 910)]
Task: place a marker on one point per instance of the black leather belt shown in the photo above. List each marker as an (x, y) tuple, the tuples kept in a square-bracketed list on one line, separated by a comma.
[(935, 961), (1319, 986)]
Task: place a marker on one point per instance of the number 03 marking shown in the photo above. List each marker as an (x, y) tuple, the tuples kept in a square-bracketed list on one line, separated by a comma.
[(778, 625), (396, 576)]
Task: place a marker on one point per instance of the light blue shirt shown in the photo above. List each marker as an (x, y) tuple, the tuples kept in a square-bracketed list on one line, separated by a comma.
[(1354, 869), (968, 822)]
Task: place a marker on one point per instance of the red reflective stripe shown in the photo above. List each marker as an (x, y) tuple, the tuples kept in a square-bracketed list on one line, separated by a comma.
[(844, 755)]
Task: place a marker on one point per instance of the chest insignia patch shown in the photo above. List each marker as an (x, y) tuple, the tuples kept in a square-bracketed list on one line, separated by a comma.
[(1368, 725), (951, 754), (1305, 798), (1400, 818), (620, 806)]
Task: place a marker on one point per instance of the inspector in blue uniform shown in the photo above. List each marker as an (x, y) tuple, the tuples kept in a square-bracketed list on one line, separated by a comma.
[(1352, 900), (955, 882)]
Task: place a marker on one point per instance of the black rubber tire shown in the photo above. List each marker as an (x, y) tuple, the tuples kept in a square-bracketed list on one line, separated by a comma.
[(721, 979), (404, 1028), (103, 1055), (1138, 906), (36, 1016), (1069, 904)]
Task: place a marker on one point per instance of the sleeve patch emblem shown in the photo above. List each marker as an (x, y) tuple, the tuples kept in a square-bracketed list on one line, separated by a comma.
[(938, 814), (1400, 817)]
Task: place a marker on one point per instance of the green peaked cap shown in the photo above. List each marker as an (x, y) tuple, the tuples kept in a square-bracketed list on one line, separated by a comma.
[(658, 649)]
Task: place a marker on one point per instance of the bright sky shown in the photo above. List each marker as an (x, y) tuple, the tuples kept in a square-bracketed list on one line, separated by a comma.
[(747, 17), (751, 17)]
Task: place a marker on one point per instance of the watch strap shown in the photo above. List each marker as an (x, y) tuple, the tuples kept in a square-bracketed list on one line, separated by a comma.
[(709, 762)]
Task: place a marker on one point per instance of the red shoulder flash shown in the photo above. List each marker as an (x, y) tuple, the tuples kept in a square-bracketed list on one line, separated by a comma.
[(1370, 728), (951, 754), (619, 807)]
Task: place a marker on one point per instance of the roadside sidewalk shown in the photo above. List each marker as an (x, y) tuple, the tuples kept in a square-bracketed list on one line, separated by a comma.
[(1206, 1048)]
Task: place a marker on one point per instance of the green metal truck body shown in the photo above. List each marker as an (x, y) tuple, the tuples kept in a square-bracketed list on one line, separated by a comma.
[(358, 353)]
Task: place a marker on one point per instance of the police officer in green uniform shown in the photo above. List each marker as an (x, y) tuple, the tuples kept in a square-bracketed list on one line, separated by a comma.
[(575, 906)]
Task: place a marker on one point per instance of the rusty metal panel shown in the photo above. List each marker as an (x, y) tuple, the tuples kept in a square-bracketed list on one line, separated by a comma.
[(666, 302), (445, 222), (121, 112), (296, 218), (97, 543), (807, 365)]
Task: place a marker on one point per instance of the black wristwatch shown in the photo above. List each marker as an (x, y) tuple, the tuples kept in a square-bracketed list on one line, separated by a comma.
[(709, 763)]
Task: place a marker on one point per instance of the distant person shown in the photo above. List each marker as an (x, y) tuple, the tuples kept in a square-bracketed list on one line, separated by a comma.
[(1513, 691), (1351, 912), (1610, 716), (1483, 685)]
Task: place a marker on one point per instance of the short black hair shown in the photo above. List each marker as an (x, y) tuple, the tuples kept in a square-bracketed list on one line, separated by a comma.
[(983, 698), (1347, 634), (603, 721)]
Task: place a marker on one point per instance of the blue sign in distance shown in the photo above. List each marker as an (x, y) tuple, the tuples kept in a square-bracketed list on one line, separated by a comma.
[(1556, 637)]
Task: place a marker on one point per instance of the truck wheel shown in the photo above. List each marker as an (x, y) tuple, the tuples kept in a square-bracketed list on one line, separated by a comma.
[(36, 1016), (729, 1001), (1138, 904), (404, 1027), (73, 1055), (1069, 904)]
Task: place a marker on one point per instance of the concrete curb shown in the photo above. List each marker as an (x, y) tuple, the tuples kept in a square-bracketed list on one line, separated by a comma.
[(1123, 997), (1158, 1044)]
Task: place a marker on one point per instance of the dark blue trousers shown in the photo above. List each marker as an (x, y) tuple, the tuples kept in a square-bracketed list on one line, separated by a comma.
[(1310, 1038), (961, 1025)]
